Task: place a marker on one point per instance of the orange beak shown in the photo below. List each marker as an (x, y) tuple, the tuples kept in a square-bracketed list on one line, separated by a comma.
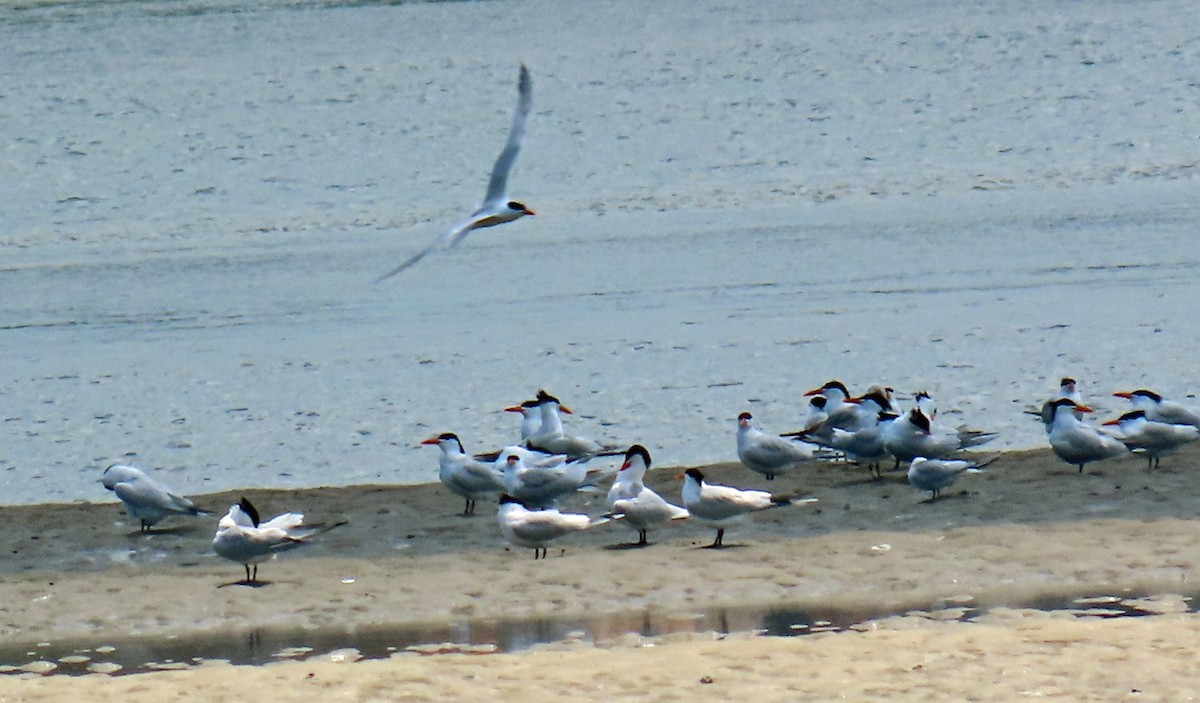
[(1123, 394), (565, 409), (514, 409), (431, 440), (1084, 409), (1111, 422)]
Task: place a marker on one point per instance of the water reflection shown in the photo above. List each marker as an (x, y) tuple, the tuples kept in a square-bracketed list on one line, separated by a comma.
[(485, 636)]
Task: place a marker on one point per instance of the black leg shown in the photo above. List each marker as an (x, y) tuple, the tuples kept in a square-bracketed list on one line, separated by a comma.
[(642, 538)]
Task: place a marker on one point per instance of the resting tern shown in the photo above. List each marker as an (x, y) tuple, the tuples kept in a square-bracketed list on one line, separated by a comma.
[(913, 434), (765, 453), (526, 527), (1160, 410), (864, 445), (144, 498), (496, 209), (1156, 439), (1075, 442), (721, 506), (540, 483), (551, 438), (531, 418), (839, 412), (463, 474), (641, 507), (1067, 388), (935, 474), (241, 537)]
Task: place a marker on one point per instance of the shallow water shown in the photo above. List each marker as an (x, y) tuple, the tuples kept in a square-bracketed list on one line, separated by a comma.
[(197, 219), (479, 637)]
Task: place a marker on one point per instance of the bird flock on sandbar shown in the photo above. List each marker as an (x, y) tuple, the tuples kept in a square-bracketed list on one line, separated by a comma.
[(547, 464), (530, 477)]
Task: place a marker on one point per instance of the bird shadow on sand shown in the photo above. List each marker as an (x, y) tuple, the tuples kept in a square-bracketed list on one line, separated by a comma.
[(628, 545), (247, 584), (719, 547), (176, 531), (943, 499)]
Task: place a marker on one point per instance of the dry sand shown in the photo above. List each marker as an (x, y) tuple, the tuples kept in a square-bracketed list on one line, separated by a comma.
[(1030, 531)]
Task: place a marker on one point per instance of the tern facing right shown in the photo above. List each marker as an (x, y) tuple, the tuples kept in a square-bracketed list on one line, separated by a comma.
[(241, 537), (526, 527), (144, 498), (721, 506), (641, 507), (496, 209)]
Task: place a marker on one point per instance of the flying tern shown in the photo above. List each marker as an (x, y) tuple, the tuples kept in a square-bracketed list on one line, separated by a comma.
[(496, 209)]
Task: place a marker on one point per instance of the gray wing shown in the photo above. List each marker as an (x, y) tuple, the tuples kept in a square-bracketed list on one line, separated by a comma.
[(454, 235), (498, 184), (149, 494)]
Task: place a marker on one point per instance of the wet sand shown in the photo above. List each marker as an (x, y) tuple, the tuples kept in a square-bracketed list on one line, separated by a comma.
[(1028, 530)]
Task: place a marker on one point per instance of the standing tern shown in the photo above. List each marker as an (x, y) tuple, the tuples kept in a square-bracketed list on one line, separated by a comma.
[(1160, 410), (463, 474), (243, 538), (1139, 433), (526, 527), (144, 498), (721, 506), (629, 497), (551, 438), (765, 453), (496, 209), (1067, 388), (935, 474), (1075, 442)]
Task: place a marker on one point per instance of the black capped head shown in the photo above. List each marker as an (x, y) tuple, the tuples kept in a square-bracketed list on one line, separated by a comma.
[(506, 498), (819, 402), (918, 418), (637, 450), (544, 397), (695, 474), (248, 508), (512, 459), (878, 397), (520, 207), (451, 437), (1148, 394), (1067, 381), (1132, 415), (836, 385), (922, 395)]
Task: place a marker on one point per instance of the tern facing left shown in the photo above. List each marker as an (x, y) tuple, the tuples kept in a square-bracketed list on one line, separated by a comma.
[(144, 498), (935, 474), (629, 497), (524, 527), (765, 453), (497, 209), (721, 506)]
